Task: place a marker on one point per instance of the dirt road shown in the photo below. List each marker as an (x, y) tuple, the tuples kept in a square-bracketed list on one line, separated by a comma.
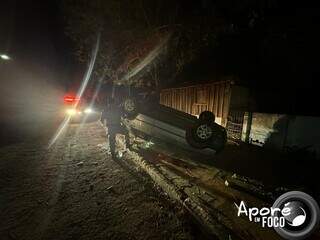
[(74, 190)]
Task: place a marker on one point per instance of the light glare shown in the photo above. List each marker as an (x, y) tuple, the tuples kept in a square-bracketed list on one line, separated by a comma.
[(4, 57), (71, 111), (88, 110)]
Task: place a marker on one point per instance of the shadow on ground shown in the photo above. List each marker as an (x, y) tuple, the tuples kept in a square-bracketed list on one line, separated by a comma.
[(271, 167)]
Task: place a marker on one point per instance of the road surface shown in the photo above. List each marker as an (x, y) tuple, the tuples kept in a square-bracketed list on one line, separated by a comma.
[(74, 190)]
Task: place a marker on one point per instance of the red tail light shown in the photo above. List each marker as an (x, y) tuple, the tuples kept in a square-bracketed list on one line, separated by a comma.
[(71, 99)]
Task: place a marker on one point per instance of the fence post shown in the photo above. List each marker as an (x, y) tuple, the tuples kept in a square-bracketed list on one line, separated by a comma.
[(248, 130)]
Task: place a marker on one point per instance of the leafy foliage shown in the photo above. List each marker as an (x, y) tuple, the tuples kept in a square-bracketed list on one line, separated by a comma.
[(131, 29)]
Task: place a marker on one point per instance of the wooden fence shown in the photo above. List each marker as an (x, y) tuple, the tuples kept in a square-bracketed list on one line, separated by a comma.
[(194, 99)]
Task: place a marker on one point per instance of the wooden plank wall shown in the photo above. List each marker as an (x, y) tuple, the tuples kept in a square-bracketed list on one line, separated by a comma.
[(194, 99)]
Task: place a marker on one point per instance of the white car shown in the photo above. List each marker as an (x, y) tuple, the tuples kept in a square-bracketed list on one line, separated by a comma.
[(176, 127)]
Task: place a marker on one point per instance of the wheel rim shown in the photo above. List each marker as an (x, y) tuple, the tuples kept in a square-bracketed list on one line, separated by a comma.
[(204, 132), (129, 105)]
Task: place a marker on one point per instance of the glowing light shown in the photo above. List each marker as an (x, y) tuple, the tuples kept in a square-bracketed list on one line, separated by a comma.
[(60, 130), (71, 99), (88, 110), (4, 57), (71, 111), (146, 61), (87, 76), (84, 84)]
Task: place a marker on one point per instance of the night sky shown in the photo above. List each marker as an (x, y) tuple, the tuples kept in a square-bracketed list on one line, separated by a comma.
[(34, 34), (278, 55)]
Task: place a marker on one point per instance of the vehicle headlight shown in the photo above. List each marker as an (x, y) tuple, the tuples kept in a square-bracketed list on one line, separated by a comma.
[(88, 110), (71, 111)]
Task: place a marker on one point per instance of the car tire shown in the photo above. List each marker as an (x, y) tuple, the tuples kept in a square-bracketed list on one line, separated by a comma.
[(200, 135), (207, 116), (130, 108), (215, 140)]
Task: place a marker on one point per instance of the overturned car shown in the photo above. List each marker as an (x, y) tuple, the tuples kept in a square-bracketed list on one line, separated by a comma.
[(173, 126)]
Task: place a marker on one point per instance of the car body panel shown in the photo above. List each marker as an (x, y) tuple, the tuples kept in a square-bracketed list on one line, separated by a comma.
[(166, 124)]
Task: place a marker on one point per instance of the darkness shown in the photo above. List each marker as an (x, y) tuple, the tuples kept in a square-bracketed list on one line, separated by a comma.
[(274, 49), (274, 53), (34, 34), (41, 69), (62, 178)]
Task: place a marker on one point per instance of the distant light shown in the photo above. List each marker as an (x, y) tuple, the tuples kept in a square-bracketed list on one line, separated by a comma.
[(71, 99), (88, 110), (4, 57), (71, 112)]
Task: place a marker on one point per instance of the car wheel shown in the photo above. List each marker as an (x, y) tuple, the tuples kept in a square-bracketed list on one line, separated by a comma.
[(206, 135), (200, 135), (130, 108), (203, 132), (207, 116)]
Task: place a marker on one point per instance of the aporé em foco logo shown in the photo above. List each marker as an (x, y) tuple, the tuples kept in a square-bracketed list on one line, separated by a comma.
[(294, 215)]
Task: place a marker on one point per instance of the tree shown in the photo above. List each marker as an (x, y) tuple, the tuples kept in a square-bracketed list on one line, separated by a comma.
[(132, 30), (151, 42)]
